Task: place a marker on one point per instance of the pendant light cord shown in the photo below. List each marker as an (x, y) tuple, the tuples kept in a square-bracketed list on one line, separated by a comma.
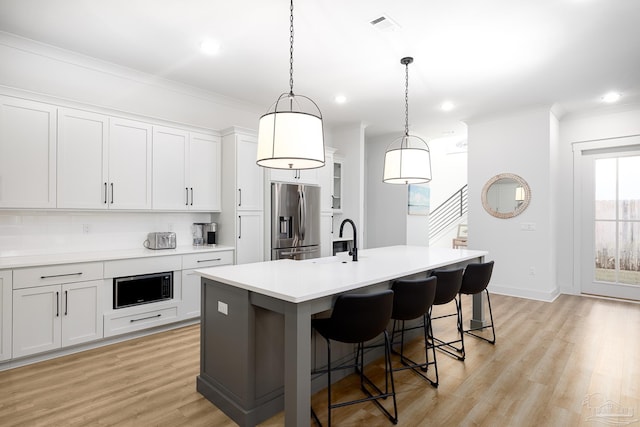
[(406, 100), (291, 51)]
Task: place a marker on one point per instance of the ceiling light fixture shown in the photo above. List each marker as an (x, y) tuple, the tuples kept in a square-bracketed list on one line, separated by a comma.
[(407, 159), (611, 97), (447, 106), (290, 134), (340, 99), (210, 47)]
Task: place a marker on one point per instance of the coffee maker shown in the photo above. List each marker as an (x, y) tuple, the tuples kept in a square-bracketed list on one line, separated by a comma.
[(204, 233)]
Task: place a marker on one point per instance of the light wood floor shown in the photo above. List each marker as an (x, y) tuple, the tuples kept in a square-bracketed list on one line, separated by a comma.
[(553, 365)]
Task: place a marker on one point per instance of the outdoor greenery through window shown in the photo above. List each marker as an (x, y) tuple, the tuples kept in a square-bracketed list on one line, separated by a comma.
[(617, 220)]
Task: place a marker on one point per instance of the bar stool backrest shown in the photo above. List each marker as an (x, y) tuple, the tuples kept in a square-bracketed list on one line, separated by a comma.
[(413, 297), (449, 282), (476, 278), (358, 318)]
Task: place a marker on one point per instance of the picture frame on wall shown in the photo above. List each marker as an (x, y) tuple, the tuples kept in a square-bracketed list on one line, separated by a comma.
[(419, 196)]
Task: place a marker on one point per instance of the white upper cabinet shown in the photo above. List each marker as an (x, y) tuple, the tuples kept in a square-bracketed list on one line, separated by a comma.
[(186, 170), (170, 151), (129, 185), (248, 175), (82, 160), (204, 172), (326, 182), (27, 154)]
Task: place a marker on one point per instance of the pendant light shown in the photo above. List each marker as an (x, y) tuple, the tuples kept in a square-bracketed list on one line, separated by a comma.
[(290, 134), (407, 159)]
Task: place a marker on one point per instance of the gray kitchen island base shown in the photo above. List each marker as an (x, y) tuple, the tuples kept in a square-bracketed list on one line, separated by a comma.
[(257, 347)]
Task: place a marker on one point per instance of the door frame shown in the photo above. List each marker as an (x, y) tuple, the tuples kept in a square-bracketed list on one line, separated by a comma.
[(580, 149)]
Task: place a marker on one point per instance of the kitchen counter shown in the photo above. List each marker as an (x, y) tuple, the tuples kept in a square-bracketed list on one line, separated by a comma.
[(300, 281), (35, 260), (256, 339)]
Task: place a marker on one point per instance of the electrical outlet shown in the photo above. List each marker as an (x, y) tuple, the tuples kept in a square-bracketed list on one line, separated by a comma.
[(170, 227), (532, 271), (85, 228), (223, 308)]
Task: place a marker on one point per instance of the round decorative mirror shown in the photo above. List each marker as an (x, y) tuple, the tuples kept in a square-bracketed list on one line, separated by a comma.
[(506, 195)]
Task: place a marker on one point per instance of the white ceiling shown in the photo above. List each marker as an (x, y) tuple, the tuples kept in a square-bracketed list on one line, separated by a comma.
[(487, 57)]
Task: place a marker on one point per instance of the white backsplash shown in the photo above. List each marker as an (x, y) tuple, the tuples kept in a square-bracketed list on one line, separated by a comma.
[(43, 232)]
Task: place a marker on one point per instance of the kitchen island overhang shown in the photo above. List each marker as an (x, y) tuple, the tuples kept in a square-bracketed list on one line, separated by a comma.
[(256, 323)]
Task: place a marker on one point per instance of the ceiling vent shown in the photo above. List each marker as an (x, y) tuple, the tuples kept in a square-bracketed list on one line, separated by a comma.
[(384, 24)]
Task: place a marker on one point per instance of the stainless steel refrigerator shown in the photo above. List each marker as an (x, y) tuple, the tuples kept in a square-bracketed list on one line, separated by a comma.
[(295, 221)]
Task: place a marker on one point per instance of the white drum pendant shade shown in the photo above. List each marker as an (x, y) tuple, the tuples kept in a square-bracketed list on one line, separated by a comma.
[(404, 164), (290, 140)]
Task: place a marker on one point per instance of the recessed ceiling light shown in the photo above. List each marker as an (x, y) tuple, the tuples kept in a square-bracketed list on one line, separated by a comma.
[(447, 106), (340, 99), (611, 97), (209, 47)]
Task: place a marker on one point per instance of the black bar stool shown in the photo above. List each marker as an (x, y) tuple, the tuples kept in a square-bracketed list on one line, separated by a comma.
[(475, 280), (447, 289), (413, 299), (357, 318)]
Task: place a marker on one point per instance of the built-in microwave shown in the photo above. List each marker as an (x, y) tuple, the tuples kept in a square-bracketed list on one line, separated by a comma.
[(142, 289)]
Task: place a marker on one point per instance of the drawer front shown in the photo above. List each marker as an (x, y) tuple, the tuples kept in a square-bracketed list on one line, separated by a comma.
[(115, 324), (133, 267), (207, 259), (56, 274)]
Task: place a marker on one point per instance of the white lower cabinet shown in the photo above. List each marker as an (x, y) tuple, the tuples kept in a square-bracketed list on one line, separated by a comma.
[(190, 306), (6, 305), (50, 317), (249, 243)]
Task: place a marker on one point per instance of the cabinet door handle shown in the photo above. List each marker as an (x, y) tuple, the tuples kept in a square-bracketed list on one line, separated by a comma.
[(61, 275), (112, 193), (66, 302), (186, 190), (145, 318), (207, 260), (57, 304), (191, 196), (239, 227), (239, 196), (331, 224), (105, 193)]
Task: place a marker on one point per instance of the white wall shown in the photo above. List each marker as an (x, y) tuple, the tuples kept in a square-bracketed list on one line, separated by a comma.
[(386, 204), (348, 140), (523, 143)]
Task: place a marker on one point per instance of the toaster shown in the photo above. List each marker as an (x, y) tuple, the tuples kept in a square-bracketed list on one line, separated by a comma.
[(161, 240)]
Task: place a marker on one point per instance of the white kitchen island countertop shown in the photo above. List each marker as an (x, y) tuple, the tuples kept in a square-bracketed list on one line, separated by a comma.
[(300, 281), (35, 260)]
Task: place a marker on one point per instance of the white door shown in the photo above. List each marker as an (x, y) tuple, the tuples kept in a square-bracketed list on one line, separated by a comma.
[(36, 320), (249, 244), (169, 182), (81, 312), (249, 175), (204, 172), (610, 253), (82, 160), (27, 154), (129, 165)]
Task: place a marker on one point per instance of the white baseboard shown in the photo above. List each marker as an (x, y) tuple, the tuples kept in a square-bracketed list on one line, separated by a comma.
[(547, 296)]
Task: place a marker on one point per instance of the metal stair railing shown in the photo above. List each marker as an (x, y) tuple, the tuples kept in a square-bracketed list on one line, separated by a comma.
[(448, 212)]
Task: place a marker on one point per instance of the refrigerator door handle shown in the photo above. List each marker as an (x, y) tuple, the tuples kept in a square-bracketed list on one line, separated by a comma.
[(302, 206)]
